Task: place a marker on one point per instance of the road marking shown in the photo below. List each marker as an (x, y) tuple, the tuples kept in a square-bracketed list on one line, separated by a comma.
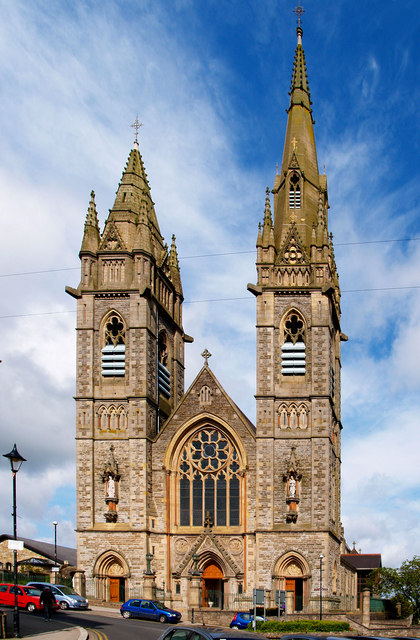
[(99, 635)]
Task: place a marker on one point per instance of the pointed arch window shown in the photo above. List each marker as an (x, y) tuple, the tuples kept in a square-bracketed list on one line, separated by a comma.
[(113, 353), (294, 192), (210, 481), (293, 351)]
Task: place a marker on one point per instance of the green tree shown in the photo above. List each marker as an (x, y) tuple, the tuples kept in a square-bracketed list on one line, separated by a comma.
[(402, 583)]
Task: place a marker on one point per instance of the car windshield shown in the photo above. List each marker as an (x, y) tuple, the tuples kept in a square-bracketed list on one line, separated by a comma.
[(68, 591), (160, 605)]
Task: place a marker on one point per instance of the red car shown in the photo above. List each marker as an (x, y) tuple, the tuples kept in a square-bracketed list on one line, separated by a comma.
[(27, 597)]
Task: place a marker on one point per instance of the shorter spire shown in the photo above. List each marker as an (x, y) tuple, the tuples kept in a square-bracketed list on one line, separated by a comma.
[(92, 214), (173, 255), (91, 236)]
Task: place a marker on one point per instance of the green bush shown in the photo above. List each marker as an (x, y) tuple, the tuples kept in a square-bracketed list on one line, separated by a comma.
[(302, 626)]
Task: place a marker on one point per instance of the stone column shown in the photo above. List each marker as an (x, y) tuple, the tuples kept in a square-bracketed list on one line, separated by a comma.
[(195, 585), (149, 583), (366, 608), (289, 602), (79, 584)]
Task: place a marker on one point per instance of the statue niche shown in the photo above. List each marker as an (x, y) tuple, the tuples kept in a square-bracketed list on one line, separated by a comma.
[(111, 478)]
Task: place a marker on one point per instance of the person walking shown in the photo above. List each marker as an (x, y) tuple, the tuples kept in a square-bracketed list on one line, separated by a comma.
[(47, 600)]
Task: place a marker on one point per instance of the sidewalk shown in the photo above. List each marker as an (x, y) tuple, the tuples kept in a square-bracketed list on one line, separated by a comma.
[(71, 633)]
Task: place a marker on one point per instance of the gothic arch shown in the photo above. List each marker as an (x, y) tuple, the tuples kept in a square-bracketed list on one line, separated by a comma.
[(113, 345), (111, 562), (110, 573), (291, 564), (206, 464)]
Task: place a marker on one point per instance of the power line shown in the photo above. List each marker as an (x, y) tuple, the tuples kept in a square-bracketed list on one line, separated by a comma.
[(51, 313), (212, 255)]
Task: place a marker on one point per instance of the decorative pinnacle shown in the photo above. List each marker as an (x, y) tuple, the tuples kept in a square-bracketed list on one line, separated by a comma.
[(136, 125)]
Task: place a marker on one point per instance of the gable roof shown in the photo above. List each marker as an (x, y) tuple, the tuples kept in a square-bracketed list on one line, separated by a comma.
[(366, 561), (65, 555), (205, 370)]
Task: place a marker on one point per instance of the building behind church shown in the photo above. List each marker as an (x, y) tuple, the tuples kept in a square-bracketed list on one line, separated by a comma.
[(179, 491)]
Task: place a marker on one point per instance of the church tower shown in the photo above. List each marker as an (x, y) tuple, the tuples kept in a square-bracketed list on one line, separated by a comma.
[(130, 375), (298, 368)]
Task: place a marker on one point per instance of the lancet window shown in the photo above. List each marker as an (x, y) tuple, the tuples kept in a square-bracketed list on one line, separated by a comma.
[(210, 477), (293, 351), (294, 192), (113, 352)]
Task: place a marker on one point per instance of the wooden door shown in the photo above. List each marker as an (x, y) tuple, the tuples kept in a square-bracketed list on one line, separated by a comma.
[(114, 589), (212, 585), (291, 586)]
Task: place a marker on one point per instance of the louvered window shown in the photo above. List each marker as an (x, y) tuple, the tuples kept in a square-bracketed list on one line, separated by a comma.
[(113, 353), (294, 192), (293, 351), (164, 376)]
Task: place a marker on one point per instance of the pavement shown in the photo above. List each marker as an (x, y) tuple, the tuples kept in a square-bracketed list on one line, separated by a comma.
[(70, 633)]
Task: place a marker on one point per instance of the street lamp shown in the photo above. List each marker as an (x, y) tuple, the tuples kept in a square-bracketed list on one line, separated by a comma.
[(55, 544), (320, 585), (16, 461)]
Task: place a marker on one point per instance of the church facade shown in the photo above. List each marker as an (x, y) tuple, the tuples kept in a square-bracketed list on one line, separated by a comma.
[(178, 492)]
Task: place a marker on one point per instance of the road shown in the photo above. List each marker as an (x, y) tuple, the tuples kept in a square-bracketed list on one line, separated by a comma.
[(102, 625)]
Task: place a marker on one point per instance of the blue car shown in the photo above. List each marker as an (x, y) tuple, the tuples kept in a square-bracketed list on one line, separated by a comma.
[(149, 610), (242, 619)]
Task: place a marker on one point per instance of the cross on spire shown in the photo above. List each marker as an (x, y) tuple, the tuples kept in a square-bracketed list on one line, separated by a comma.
[(136, 125), (206, 355), (299, 10)]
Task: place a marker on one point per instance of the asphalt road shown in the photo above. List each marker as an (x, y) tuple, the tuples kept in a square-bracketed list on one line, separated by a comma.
[(101, 625)]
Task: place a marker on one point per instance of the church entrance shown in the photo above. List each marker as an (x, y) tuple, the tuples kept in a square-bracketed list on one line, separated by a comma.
[(213, 586), (110, 578), (296, 585)]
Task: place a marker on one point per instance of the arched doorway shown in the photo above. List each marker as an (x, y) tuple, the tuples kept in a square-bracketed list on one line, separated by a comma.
[(212, 585), (110, 575), (292, 573)]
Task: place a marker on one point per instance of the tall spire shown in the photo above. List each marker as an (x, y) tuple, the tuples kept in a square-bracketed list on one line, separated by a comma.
[(296, 188)]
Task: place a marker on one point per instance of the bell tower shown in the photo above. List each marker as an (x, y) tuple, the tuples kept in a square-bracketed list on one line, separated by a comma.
[(130, 365), (298, 356)]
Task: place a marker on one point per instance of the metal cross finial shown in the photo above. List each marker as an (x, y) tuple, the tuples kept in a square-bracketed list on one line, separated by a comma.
[(299, 10), (136, 125), (206, 355)]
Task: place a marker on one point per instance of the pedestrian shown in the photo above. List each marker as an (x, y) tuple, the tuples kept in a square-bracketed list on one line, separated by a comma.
[(47, 600)]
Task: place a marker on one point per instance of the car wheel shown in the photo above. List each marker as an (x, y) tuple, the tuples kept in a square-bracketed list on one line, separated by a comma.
[(64, 605), (126, 614), (235, 626), (31, 607), (162, 618)]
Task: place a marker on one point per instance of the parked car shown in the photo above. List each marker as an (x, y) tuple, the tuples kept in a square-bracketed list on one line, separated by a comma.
[(27, 597), (195, 632), (150, 610), (242, 619), (65, 596)]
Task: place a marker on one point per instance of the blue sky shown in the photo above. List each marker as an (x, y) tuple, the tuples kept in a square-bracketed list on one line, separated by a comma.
[(209, 81)]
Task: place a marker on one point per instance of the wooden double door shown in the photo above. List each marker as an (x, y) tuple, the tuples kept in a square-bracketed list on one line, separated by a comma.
[(212, 586), (116, 589)]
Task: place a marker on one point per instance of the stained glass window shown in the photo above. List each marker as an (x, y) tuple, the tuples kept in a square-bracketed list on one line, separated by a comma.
[(209, 480)]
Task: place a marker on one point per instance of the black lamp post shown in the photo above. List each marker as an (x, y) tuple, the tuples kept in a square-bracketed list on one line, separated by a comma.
[(55, 544), (320, 585), (15, 463)]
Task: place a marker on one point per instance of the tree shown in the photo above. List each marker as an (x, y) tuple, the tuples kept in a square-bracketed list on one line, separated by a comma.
[(402, 583)]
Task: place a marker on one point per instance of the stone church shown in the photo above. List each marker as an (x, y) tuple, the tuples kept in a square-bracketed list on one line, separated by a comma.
[(179, 494)]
